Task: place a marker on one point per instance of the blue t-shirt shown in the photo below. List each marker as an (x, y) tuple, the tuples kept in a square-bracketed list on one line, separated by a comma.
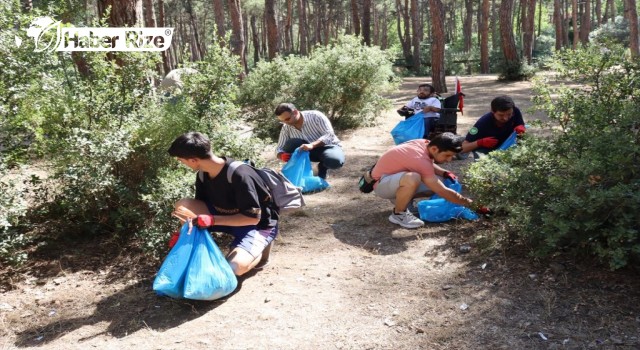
[(486, 127)]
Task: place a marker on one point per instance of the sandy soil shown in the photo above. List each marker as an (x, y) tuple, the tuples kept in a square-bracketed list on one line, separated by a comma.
[(342, 277)]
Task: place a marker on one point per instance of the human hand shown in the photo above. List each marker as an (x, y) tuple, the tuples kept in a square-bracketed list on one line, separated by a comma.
[(203, 221), (449, 175), (306, 147), (482, 210), (284, 156), (520, 129), (487, 142)]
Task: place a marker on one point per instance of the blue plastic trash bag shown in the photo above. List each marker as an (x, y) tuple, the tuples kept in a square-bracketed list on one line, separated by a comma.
[(195, 268), (298, 171), (509, 141), (409, 129), (209, 275), (438, 209)]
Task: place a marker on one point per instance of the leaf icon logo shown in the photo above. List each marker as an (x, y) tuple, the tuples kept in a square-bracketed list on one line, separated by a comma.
[(41, 31)]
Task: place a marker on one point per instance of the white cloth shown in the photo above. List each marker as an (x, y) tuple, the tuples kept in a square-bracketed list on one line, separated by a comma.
[(417, 104), (315, 127)]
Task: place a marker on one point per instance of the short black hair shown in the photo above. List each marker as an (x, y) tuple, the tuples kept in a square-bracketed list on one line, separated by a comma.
[(285, 107), (191, 145), (447, 141), (502, 103), (431, 88)]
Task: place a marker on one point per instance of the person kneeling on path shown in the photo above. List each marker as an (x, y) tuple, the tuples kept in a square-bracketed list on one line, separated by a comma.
[(311, 131), (493, 128), (242, 207), (411, 168)]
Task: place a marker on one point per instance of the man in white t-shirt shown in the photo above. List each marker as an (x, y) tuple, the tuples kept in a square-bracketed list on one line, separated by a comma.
[(427, 102)]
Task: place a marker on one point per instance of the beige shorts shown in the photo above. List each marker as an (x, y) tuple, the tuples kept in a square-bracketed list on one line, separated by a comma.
[(388, 185)]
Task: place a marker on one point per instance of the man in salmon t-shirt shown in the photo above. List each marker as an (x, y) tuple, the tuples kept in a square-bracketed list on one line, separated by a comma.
[(412, 167)]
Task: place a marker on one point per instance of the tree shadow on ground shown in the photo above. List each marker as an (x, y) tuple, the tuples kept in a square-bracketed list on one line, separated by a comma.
[(134, 308)]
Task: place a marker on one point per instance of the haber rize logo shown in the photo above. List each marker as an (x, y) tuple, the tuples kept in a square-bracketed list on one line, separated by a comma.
[(51, 35)]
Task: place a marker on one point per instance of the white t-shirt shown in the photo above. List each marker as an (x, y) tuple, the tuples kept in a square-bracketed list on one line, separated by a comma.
[(417, 104)]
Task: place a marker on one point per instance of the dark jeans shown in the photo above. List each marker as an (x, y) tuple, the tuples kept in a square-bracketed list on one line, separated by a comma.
[(429, 125), (329, 157)]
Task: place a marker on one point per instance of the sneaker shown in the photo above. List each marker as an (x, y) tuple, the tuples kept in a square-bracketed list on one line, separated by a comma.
[(406, 220), (413, 209)]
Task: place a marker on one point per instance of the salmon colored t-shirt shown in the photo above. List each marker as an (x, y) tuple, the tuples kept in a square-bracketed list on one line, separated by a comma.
[(408, 156)]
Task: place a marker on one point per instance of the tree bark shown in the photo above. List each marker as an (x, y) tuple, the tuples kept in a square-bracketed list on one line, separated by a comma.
[(195, 46), (598, 9), (288, 37), (528, 29), (632, 17), (385, 23), (558, 23), (484, 38), (437, 46), (149, 14), (124, 13), (302, 26), (218, 9), (355, 17), (574, 19), (237, 34), (494, 25), (466, 26), (366, 22), (506, 32), (272, 28), (585, 22), (255, 38), (415, 26), (166, 58), (407, 28)]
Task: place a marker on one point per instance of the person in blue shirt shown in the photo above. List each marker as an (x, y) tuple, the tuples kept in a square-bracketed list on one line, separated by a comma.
[(493, 128)]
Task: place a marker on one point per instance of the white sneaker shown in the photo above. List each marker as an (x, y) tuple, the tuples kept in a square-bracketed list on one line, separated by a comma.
[(406, 220)]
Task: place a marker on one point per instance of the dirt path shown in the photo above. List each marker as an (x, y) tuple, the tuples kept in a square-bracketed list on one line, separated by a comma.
[(343, 277)]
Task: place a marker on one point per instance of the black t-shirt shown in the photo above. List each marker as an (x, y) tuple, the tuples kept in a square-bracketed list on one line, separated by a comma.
[(486, 127), (246, 194)]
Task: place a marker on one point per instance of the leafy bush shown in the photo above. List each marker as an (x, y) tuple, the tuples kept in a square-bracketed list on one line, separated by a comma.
[(12, 210), (612, 33), (515, 70), (344, 80), (579, 188)]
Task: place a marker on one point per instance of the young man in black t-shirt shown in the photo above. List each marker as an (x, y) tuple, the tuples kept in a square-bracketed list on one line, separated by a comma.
[(242, 207)]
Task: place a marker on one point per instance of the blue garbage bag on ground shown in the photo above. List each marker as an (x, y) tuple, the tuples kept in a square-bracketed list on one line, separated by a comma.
[(409, 129), (437, 209), (195, 268), (298, 171)]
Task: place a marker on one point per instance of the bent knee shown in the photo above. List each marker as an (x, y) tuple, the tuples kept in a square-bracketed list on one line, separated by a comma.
[(410, 179)]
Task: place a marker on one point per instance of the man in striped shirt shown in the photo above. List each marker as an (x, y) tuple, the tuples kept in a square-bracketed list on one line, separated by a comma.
[(311, 131)]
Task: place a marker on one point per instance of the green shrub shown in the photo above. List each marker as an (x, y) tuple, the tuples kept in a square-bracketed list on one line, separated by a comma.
[(578, 188), (344, 80), (612, 33), (515, 70), (13, 208)]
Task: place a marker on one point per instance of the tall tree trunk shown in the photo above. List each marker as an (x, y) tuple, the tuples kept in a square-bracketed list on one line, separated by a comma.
[(355, 17), (437, 47), (558, 23), (574, 19), (376, 25), (195, 46), (149, 14), (599, 19), (366, 21), (585, 22), (272, 28), (124, 13), (255, 39), (506, 32), (484, 38), (288, 37), (218, 10), (406, 47), (385, 24), (614, 11), (467, 24), (632, 17), (302, 26), (495, 37), (237, 34), (166, 59), (407, 28), (528, 29), (415, 26)]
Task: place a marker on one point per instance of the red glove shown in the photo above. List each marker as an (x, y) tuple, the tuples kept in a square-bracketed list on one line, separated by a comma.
[(449, 175), (487, 142), (174, 239), (483, 210), (520, 129), (204, 221), (284, 156)]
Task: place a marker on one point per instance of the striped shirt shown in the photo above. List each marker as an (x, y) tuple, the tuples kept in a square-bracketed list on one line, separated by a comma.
[(315, 127)]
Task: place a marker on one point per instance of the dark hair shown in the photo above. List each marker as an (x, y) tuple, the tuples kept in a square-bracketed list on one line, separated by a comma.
[(502, 103), (431, 88), (191, 145), (447, 141), (285, 107)]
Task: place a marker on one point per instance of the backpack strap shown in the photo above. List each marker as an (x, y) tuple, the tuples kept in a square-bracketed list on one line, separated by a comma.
[(232, 168)]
